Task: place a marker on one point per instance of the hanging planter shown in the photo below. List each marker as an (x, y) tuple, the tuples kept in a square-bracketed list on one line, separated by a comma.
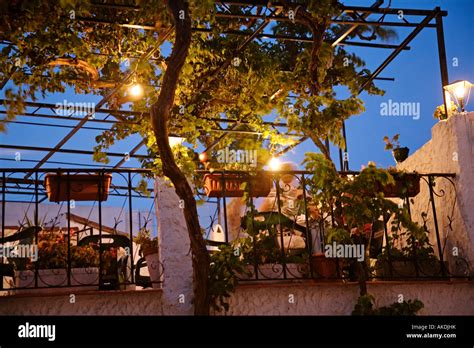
[(400, 154), (82, 187), (406, 185), (260, 185)]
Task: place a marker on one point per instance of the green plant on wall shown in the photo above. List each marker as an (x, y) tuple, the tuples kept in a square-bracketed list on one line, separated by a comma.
[(226, 265), (349, 203), (440, 111), (366, 306)]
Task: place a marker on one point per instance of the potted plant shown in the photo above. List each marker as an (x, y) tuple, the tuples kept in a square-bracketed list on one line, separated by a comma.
[(415, 259), (399, 153), (82, 187), (52, 264), (404, 184), (440, 111), (325, 267), (149, 250), (260, 184)]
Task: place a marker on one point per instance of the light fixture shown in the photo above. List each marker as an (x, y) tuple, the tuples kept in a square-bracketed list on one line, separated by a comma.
[(274, 164), (174, 141), (203, 157), (459, 92), (135, 92)]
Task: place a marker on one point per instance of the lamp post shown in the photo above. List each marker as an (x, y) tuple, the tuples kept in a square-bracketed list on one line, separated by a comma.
[(459, 92)]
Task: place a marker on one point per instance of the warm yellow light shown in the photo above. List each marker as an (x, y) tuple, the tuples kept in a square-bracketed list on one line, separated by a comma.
[(459, 91), (174, 141), (203, 157), (274, 164), (135, 91)]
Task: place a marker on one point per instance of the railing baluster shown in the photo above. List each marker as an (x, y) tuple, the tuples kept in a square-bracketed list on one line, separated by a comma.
[(435, 221), (282, 239), (130, 218), (68, 195), (101, 178), (4, 184), (226, 231), (36, 225), (309, 235)]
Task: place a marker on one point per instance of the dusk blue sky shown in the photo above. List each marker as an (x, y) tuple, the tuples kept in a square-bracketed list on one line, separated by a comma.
[(417, 79)]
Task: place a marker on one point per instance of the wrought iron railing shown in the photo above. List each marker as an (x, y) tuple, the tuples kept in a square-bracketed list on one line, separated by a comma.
[(63, 228), (287, 242)]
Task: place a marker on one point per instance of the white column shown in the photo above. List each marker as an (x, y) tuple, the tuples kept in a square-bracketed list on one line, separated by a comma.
[(174, 249)]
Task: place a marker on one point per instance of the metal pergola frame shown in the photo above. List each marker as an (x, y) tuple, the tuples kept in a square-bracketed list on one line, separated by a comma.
[(271, 12)]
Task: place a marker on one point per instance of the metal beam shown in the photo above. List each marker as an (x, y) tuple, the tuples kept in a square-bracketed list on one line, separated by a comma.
[(288, 148), (128, 113), (394, 11), (52, 106), (71, 151), (352, 28), (225, 15), (131, 153), (442, 55), (301, 39), (395, 53)]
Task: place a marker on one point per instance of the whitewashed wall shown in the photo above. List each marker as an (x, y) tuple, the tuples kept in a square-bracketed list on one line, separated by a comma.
[(304, 298), (451, 150)]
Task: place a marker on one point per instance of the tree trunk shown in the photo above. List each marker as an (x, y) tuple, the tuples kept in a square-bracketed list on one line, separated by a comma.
[(160, 113)]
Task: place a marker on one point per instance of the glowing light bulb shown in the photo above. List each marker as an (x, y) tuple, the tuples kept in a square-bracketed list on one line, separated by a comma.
[(135, 91), (203, 157), (274, 164), (459, 91)]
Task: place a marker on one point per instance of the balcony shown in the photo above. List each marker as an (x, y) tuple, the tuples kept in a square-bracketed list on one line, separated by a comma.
[(285, 236), (66, 229)]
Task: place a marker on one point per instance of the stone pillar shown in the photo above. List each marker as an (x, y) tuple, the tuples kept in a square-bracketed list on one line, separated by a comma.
[(175, 252)]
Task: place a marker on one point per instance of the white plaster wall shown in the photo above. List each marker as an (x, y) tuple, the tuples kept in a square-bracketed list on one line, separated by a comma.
[(143, 302), (451, 150), (311, 298), (175, 251)]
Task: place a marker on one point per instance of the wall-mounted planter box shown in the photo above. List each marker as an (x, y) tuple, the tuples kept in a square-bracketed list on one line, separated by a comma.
[(55, 280), (404, 269), (260, 185), (406, 185), (82, 187)]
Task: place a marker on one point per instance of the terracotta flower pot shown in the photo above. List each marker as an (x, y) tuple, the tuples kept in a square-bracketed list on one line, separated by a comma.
[(260, 185), (82, 187), (325, 268)]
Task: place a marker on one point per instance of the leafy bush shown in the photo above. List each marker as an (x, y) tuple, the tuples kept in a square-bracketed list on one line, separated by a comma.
[(365, 306)]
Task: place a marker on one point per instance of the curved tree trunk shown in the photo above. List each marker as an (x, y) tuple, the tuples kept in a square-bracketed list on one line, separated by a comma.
[(160, 113)]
